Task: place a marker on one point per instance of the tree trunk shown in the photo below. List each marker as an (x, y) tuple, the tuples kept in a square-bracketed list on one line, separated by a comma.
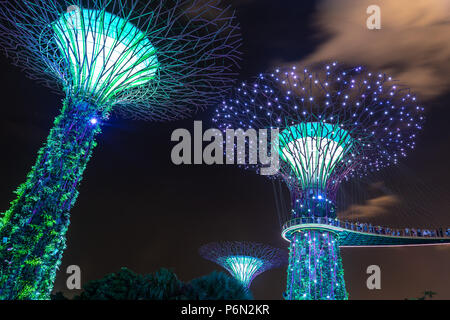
[(32, 231)]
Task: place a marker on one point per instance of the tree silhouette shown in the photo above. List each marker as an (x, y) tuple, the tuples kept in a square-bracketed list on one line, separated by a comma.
[(429, 294), (426, 294), (219, 286), (163, 285), (123, 285)]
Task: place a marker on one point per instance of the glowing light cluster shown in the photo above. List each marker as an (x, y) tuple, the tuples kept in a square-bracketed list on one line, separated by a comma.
[(335, 122), (106, 54), (243, 268), (313, 150), (315, 269), (244, 260), (151, 60)]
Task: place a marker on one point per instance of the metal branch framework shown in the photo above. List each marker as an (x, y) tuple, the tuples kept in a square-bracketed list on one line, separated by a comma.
[(152, 60), (334, 123), (244, 260)]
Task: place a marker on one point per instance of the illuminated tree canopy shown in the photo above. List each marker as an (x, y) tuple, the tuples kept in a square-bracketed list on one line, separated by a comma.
[(152, 60), (335, 122), (106, 54), (313, 150), (244, 260)]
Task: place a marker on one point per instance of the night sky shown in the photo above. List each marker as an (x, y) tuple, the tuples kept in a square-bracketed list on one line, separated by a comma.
[(138, 210)]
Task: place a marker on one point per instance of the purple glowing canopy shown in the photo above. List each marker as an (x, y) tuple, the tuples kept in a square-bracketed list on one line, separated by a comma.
[(368, 119)]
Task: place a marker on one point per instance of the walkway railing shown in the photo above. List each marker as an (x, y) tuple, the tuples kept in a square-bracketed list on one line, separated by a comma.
[(369, 228)]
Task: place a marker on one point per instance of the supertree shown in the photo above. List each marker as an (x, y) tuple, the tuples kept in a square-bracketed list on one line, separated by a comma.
[(244, 260), (334, 123), (151, 60)]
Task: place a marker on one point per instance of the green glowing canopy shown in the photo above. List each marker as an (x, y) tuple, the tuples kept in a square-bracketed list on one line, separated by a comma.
[(106, 54), (243, 268), (313, 149)]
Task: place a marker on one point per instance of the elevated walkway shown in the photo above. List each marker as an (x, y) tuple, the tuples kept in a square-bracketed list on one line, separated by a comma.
[(352, 234)]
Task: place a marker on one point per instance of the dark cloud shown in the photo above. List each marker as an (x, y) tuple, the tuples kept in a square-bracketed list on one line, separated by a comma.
[(371, 208), (412, 44)]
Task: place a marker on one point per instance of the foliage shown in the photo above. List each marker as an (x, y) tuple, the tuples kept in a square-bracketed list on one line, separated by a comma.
[(32, 231), (426, 294), (219, 286), (315, 270), (124, 285), (163, 285), (58, 296)]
